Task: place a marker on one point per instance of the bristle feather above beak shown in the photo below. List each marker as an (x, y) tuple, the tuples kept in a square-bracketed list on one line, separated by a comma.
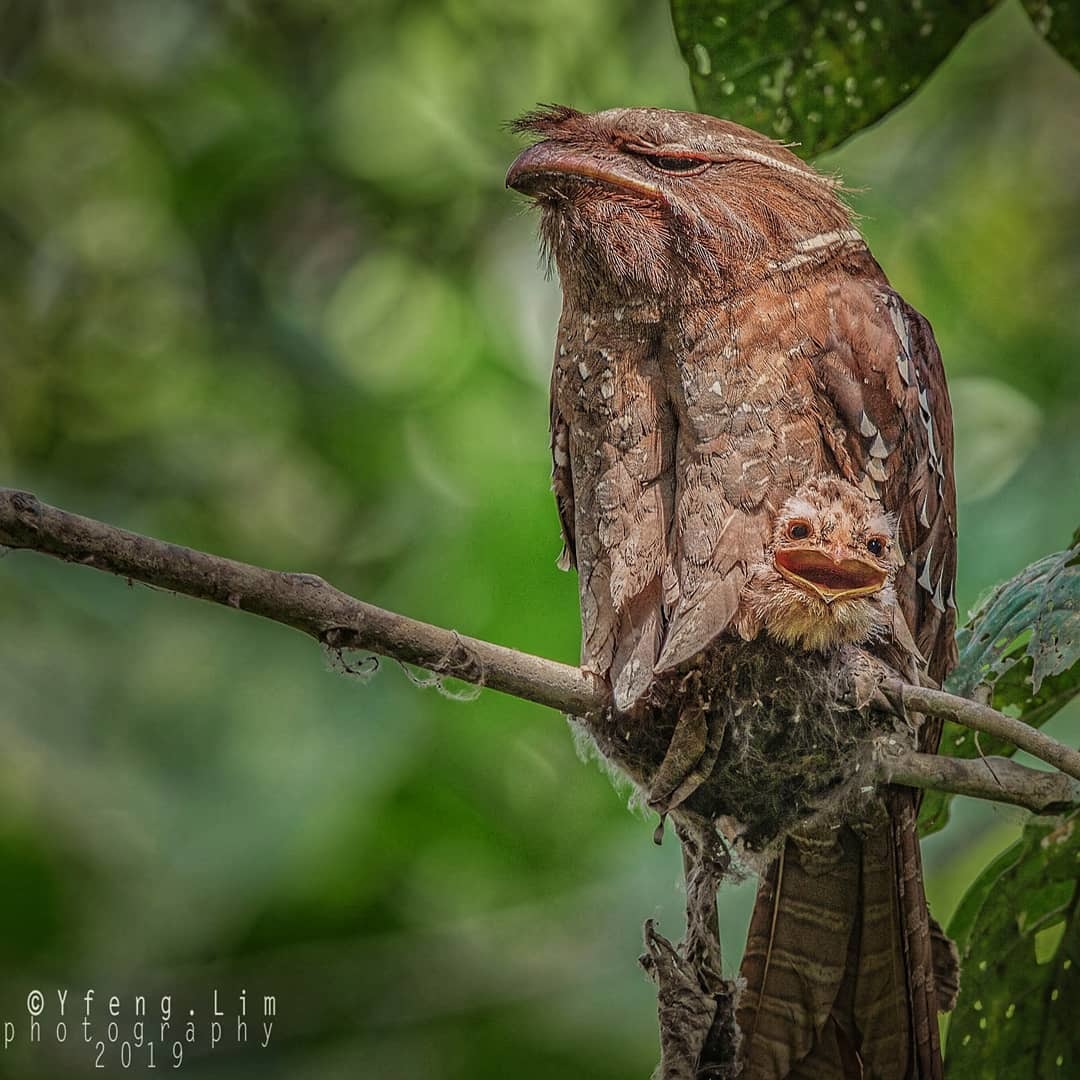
[(545, 120)]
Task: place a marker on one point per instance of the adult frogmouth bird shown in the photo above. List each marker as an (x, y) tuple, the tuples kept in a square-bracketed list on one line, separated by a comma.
[(726, 336)]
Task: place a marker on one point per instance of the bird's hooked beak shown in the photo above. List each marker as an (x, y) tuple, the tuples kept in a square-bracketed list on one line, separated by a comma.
[(829, 577), (542, 169)]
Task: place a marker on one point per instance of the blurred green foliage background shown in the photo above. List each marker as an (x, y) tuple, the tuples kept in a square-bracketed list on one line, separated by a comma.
[(262, 292)]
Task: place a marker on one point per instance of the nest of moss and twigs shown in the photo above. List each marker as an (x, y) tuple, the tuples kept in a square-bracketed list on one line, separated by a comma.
[(786, 743)]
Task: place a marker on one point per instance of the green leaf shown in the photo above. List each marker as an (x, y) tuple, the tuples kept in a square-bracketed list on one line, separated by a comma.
[(1059, 23), (1019, 652), (1018, 932), (812, 72)]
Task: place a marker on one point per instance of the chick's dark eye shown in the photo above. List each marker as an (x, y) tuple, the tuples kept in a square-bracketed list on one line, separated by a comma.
[(676, 165), (798, 530), (876, 546)]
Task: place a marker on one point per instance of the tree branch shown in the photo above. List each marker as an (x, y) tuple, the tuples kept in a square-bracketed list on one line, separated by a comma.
[(899, 697), (997, 779), (339, 621), (303, 601)]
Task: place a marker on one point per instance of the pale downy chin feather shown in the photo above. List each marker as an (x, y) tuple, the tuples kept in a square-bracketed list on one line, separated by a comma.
[(794, 617)]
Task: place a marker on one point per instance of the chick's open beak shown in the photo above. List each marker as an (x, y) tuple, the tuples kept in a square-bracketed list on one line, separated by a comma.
[(827, 577)]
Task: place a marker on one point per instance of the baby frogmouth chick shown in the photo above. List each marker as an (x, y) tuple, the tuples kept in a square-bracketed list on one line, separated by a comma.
[(827, 575)]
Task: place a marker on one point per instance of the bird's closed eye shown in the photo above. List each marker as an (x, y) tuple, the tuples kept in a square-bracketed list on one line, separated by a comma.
[(676, 166)]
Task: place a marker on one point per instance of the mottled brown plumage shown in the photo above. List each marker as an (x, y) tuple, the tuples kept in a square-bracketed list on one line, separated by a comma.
[(726, 336)]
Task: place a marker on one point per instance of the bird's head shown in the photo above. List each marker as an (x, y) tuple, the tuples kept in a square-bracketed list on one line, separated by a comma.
[(827, 576), (669, 203)]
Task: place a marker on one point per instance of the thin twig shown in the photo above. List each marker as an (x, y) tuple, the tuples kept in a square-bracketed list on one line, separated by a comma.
[(971, 714), (997, 779)]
